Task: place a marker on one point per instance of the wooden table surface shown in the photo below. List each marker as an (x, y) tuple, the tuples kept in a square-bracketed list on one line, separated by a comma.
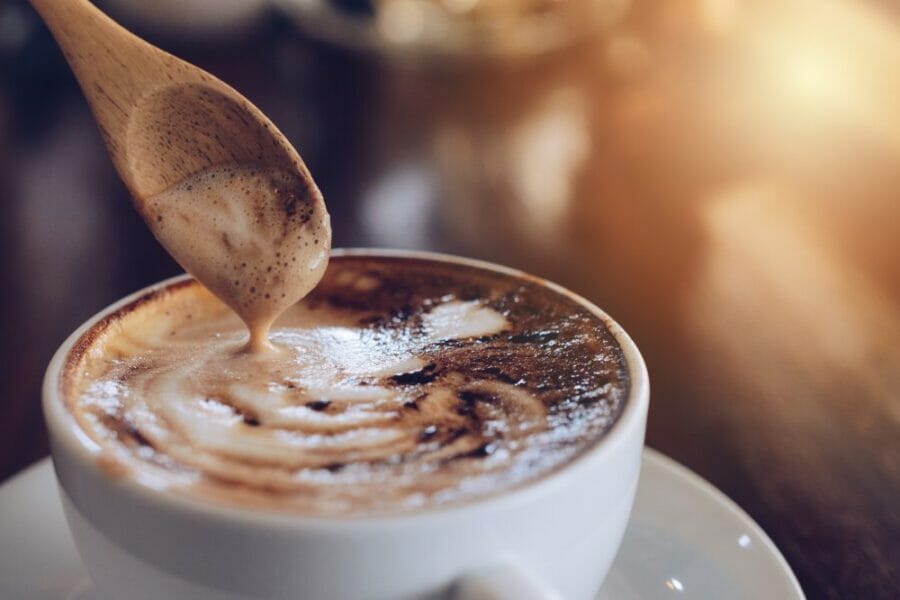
[(722, 176)]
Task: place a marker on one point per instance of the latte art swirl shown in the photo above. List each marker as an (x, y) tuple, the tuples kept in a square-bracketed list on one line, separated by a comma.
[(390, 389)]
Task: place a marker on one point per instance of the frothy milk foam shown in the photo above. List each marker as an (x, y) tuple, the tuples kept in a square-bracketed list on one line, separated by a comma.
[(397, 384), (257, 237)]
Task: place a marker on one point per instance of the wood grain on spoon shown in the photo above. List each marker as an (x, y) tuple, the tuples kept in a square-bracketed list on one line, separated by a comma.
[(216, 182)]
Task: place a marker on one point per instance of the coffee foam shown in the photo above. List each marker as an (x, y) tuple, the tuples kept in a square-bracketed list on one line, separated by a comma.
[(256, 237), (397, 384)]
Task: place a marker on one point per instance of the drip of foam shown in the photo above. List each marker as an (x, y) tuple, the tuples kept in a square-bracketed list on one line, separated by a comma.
[(258, 238)]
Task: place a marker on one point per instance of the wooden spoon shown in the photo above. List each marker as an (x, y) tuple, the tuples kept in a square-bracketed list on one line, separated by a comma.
[(165, 122)]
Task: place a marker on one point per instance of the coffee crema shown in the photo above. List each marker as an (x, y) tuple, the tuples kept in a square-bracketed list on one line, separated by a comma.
[(397, 384)]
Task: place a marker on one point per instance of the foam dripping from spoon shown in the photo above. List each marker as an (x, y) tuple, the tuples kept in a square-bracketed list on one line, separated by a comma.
[(257, 237)]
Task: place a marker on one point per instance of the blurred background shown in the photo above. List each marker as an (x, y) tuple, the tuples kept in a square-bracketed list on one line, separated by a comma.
[(722, 176)]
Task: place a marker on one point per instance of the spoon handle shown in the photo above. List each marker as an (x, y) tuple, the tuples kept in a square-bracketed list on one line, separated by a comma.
[(163, 119), (114, 67)]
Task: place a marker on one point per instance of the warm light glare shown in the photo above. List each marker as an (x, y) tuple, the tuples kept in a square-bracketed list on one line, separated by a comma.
[(720, 16), (401, 21), (627, 54), (767, 248), (460, 6), (547, 150), (832, 62)]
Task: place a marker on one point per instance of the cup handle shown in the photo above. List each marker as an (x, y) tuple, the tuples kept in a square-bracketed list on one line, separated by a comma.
[(503, 582)]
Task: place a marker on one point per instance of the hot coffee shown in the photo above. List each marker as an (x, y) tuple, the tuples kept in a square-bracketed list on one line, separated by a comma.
[(396, 384)]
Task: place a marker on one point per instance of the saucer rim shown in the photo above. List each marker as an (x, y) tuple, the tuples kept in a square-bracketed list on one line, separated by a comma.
[(690, 478), (651, 460)]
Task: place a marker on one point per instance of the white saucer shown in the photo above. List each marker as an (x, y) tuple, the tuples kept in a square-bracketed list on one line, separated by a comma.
[(685, 540)]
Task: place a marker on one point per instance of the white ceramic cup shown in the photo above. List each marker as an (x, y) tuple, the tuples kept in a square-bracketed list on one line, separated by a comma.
[(553, 538)]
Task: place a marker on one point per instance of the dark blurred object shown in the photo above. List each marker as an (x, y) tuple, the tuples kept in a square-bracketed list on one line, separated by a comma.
[(34, 76), (197, 20), (722, 175)]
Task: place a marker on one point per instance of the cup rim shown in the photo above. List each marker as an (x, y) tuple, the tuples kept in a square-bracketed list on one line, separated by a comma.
[(68, 435)]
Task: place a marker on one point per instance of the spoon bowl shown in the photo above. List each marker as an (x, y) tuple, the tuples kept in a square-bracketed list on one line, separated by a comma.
[(219, 186), (179, 130)]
